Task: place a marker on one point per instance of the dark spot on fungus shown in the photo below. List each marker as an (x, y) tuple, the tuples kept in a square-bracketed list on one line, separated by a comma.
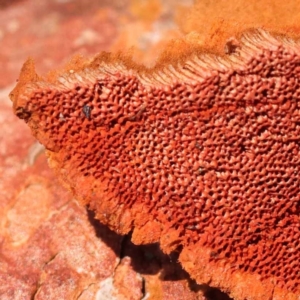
[(87, 111), (201, 171), (22, 113)]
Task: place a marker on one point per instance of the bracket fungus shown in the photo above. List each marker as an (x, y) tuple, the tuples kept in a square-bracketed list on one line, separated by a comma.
[(202, 155)]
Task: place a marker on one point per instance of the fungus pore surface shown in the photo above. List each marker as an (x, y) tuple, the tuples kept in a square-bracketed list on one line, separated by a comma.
[(202, 156)]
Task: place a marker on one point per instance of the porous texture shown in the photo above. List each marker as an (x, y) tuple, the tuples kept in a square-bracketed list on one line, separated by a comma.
[(51, 248), (201, 156)]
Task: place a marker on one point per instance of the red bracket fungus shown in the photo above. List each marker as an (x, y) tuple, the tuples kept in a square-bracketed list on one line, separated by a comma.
[(202, 155)]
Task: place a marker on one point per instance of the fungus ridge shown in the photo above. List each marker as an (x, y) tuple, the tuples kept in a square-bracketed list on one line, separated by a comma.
[(201, 156)]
